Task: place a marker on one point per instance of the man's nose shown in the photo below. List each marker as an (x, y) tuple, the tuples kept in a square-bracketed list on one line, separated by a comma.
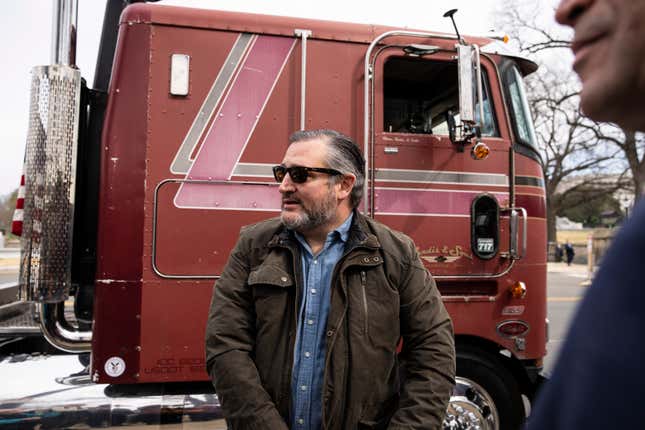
[(286, 186), (568, 11)]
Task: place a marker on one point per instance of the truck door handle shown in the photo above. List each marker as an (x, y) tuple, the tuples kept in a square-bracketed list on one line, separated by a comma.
[(515, 231)]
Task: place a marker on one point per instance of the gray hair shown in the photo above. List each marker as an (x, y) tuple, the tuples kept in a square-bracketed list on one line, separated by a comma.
[(342, 155)]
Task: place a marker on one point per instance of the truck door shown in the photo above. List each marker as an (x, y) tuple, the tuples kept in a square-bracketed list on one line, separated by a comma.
[(424, 184)]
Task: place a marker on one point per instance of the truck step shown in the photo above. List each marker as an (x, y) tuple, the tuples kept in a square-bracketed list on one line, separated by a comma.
[(17, 319)]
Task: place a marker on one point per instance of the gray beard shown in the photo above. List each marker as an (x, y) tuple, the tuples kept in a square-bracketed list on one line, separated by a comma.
[(311, 218), (304, 221)]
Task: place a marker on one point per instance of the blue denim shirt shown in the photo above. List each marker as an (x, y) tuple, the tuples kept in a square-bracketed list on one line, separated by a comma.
[(310, 348)]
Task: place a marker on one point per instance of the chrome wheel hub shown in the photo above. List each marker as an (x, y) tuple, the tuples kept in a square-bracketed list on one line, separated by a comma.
[(470, 408)]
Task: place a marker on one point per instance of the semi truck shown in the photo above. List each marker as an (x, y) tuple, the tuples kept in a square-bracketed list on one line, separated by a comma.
[(135, 190)]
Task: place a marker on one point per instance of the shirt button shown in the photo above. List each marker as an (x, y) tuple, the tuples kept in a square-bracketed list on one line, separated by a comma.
[(303, 387), (315, 261), (307, 354), (310, 322), (314, 291), (301, 421)]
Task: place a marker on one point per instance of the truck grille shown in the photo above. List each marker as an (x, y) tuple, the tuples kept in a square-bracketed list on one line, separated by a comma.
[(50, 168)]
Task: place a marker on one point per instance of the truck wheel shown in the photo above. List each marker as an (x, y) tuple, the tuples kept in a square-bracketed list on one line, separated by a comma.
[(486, 396)]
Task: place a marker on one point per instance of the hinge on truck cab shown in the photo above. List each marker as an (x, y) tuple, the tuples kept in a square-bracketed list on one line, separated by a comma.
[(98, 98), (304, 35)]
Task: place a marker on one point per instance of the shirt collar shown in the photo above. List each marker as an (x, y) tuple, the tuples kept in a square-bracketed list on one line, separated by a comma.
[(343, 229), (341, 232)]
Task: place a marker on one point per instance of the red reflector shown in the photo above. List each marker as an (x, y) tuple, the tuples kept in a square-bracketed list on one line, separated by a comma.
[(16, 223), (512, 328), (16, 228)]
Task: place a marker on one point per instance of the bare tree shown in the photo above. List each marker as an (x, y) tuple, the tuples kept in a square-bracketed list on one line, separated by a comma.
[(570, 143), (631, 146), (524, 20)]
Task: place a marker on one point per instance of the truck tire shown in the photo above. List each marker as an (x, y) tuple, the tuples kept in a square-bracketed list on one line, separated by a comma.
[(486, 395)]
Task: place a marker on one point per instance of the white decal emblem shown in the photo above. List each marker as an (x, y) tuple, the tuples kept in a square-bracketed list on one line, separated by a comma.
[(114, 366), (513, 310)]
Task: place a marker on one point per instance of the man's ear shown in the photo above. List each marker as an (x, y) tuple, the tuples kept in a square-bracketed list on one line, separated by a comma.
[(345, 186)]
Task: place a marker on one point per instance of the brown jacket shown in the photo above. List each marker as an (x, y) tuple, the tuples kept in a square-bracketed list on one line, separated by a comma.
[(380, 293)]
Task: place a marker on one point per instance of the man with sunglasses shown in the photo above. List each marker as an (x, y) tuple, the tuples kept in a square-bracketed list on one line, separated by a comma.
[(308, 314)]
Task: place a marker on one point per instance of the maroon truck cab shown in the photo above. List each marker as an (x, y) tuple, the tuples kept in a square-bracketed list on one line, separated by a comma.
[(200, 105)]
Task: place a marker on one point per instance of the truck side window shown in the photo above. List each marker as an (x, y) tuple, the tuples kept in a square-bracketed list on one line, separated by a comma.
[(518, 105), (419, 93)]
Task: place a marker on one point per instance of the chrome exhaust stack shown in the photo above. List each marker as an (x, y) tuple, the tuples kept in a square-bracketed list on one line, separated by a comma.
[(64, 25), (50, 176)]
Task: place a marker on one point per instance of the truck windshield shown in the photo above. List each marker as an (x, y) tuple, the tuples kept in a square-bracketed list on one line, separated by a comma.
[(519, 107)]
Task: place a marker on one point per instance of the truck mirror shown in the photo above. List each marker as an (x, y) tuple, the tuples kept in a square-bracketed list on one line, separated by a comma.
[(470, 97), (466, 69)]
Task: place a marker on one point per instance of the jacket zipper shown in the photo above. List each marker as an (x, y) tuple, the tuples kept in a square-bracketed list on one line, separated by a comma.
[(363, 289), (334, 281)]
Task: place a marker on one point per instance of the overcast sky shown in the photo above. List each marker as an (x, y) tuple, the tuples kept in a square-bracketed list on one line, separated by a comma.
[(25, 27)]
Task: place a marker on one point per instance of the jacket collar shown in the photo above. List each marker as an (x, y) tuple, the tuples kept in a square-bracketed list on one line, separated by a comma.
[(360, 235)]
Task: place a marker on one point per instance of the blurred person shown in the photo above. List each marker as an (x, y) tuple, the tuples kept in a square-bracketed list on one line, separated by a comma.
[(307, 315), (570, 252), (599, 370), (559, 253)]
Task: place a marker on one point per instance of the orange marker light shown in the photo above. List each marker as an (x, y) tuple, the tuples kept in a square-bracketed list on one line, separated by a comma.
[(505, 39), (518, 290), (480, 151)]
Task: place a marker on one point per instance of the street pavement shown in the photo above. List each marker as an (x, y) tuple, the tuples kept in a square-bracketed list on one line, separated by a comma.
[(8, 277), (9, 258), (566, 285)]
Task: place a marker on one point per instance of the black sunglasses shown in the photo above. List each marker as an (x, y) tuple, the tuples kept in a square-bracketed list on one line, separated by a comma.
[(299, 174)]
